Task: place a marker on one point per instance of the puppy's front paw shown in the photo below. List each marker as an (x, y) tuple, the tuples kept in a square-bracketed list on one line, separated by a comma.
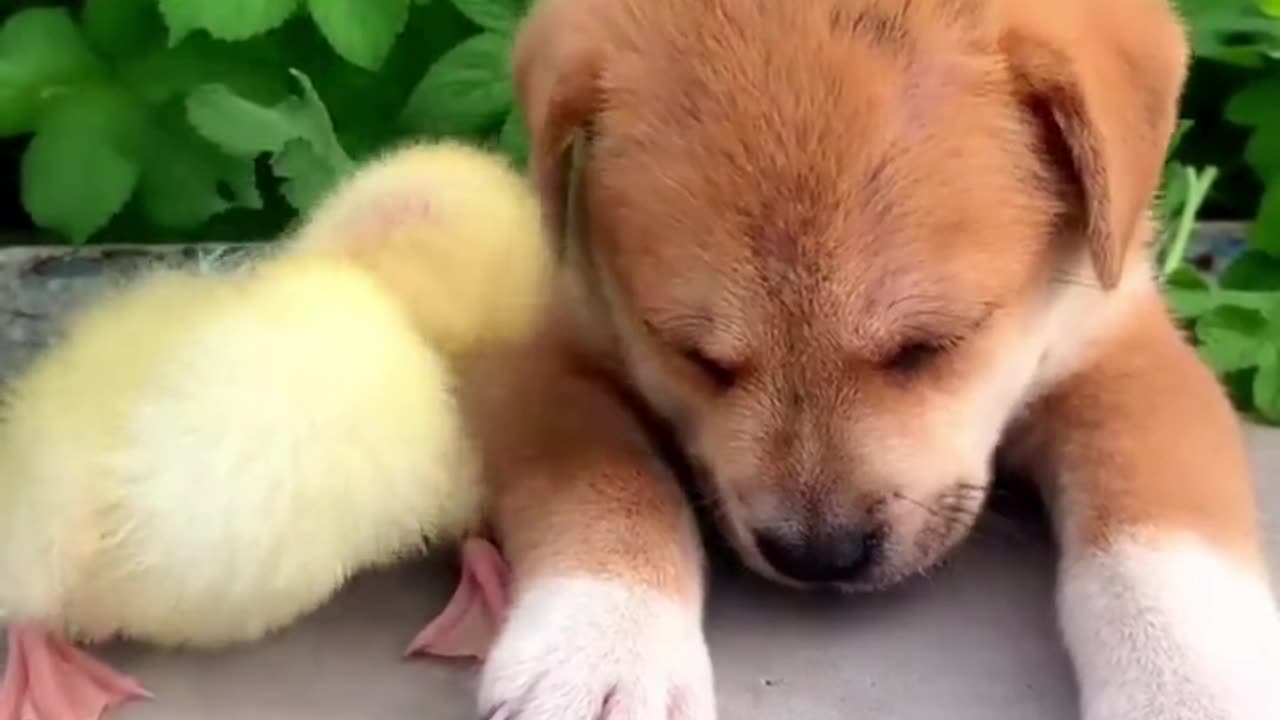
[(588, 649), (1172, 632)]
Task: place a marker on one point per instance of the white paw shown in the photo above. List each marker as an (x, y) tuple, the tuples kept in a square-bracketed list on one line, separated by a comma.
[(1172, 631), (589, 649)]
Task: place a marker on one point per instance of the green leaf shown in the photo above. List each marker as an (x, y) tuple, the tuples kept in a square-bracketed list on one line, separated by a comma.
[(1187, 278), (238, 181), (1188, 294), (239, 126), (1252, 271), (1264, 232), (1231, 337), (467, 89), (225, 19), (1231, 31), (186, 180), (297, 132), (318, 126), (122, 29), (42, 53), (365, 109), (361, 31), (499, 16), (1270, 7), (1257, 103), (1262, 302), (1266, 384), (307, 176), (245, 128), (81, 167), (189, 189), (1189, 304), (1262, 152), (251, 68)]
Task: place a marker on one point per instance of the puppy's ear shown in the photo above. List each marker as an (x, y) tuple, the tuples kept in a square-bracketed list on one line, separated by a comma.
[(554, 66), (1106, 76)]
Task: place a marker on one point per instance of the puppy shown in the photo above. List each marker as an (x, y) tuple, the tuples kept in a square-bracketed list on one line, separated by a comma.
[(850, 254)]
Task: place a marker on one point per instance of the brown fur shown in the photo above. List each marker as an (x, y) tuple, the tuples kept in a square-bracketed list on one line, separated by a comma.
[(817, 238), (1175, 463)]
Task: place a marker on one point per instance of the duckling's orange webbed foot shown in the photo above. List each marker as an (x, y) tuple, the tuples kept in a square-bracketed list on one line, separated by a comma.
[(47, 678), (467, 625)]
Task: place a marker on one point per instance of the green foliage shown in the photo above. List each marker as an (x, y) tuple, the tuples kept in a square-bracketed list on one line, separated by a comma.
[(1233, 317), (82, 165), (362, 31), (182, 120), (467, 89), (187, 120), (229, 20)]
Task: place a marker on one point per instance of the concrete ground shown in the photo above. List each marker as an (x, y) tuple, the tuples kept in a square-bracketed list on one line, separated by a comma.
[(975, 641)]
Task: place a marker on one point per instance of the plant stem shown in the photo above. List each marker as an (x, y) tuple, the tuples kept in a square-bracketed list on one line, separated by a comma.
[(1198, 184)]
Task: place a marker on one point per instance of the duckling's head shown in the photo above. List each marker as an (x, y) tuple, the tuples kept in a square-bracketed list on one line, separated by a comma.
[(452, 230)]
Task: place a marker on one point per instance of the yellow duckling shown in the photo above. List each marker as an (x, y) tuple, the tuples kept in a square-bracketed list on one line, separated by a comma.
[(206, 457)]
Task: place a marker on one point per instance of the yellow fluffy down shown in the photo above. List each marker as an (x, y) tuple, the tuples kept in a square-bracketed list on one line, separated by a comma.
[(206, 458), (453, 230)]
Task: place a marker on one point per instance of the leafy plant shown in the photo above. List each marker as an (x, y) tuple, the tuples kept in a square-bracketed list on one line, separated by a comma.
[(1233, 316), (187, 120), (152, 120)]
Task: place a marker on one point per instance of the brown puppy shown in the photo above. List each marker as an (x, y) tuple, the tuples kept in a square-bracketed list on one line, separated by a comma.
[(850, 251)]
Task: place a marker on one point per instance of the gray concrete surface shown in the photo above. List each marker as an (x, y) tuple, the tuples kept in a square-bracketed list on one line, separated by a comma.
[(975, 641)]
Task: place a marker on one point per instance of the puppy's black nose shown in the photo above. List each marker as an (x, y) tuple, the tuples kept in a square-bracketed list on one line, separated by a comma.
[(839, 556)]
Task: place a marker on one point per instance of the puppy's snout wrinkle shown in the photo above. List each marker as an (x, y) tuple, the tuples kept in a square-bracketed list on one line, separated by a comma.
[(839, 555)]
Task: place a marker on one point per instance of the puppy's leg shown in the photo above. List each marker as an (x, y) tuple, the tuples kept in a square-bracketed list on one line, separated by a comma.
[(1164, 598), (606, 620)]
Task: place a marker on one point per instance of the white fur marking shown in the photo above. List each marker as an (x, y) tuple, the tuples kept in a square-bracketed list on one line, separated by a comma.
[(1171, 631), (577, 647)]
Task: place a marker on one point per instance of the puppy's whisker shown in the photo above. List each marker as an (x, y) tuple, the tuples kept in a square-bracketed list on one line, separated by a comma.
[(953, 517), (923, 506)]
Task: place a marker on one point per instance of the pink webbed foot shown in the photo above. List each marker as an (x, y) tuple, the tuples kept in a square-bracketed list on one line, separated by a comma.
[(467, 625), (47, 678)]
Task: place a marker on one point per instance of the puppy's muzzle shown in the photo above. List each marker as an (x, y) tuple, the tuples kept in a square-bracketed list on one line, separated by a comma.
[(833, 556)]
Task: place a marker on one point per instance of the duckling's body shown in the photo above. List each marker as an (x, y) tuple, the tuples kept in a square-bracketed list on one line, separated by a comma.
[(205, 457), (236, 464)]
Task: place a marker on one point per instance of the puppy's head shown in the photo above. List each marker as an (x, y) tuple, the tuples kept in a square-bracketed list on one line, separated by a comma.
[(838, 244)]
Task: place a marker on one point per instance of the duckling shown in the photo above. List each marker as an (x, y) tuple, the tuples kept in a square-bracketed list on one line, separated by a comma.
[(205, 457), (441, 203)]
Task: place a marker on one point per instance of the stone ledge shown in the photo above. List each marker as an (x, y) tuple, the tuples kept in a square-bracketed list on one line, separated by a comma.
[(39, 285)]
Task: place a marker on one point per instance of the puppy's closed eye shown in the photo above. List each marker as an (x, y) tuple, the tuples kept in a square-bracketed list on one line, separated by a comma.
[(915, 356), (718, 372), (928, 335), (685, 338)]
